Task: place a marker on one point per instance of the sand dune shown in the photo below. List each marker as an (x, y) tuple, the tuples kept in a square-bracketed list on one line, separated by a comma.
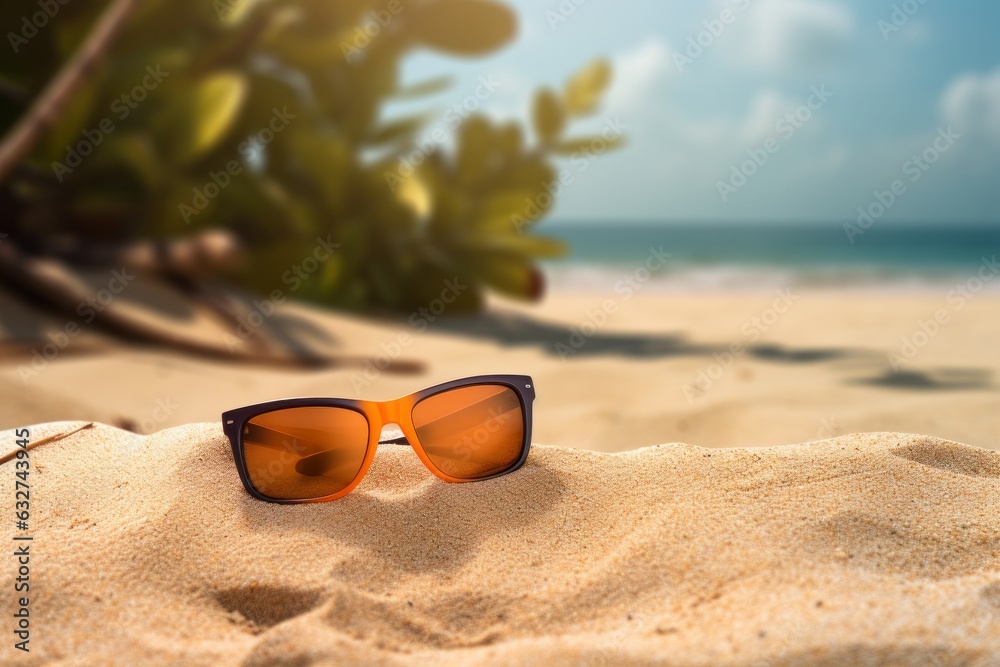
[(868, 549)]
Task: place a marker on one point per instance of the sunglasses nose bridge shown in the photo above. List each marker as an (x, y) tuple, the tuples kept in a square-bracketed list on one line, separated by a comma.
[(389, 412)]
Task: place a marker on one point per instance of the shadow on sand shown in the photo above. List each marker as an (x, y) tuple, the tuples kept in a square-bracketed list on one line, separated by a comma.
[(516, 330)]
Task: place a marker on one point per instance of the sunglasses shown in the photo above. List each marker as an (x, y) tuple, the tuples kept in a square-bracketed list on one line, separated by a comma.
[(312, 450)]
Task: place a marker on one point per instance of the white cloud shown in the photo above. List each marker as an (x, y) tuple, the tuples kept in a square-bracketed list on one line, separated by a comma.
[(972, 104), (719, 137), (787, 35), (637, 73), (766, 108)]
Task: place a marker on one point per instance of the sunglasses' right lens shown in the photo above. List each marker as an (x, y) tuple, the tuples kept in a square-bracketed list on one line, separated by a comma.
[(305, 453), (471, 432)]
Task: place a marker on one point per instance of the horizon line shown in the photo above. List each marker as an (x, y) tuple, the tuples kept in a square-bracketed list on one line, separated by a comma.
[(643, 222)]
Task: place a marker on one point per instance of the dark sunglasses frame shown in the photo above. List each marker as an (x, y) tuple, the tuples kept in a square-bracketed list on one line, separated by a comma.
[(378, 414)]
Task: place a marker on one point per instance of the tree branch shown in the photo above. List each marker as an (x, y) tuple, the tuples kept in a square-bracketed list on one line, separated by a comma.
[(22, 137), (50, 282)]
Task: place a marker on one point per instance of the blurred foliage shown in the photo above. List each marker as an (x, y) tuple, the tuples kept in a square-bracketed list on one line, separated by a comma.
[(190, 83)]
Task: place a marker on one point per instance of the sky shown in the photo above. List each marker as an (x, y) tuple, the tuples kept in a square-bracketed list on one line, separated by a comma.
[(764, 110)]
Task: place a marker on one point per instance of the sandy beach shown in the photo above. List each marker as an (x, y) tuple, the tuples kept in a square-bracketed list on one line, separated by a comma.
[(712, 369), (868, 549), (772, 536)]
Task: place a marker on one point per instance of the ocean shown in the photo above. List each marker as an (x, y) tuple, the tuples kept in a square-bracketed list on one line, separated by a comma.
[(763, 257)]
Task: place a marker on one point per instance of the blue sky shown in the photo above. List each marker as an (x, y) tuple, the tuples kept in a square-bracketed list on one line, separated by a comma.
[(691, 123)]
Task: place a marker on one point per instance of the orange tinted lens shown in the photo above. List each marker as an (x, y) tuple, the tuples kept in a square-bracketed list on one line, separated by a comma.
[(305, 453), (471, 432)]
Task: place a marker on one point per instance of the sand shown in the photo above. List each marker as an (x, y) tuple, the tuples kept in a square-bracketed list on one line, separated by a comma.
[(876, 548), (865, 549), (819, 370)]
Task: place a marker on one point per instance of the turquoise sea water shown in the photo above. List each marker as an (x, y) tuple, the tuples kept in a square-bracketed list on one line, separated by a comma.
[(761, 256)]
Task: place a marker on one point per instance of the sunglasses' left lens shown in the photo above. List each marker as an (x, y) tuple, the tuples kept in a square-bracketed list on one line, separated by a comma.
[(471, 432), (305, 453)]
